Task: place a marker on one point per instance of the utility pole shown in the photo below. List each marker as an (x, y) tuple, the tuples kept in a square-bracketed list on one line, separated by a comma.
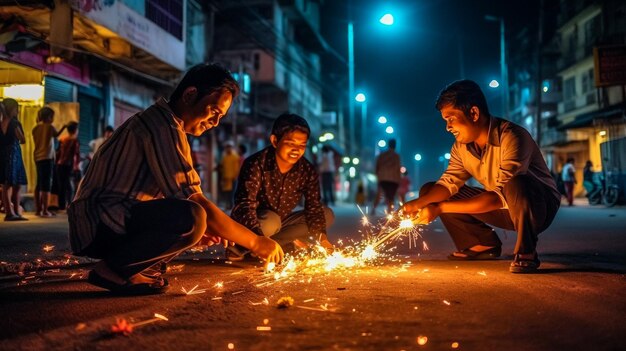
[(539, 76)]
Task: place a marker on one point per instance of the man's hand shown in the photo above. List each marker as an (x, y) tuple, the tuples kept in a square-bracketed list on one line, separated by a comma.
[(267, 249), (428, 214), (325, 243), (210, 240), (411, 208)]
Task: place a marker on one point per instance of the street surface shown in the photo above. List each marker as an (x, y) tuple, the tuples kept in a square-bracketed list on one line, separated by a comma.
[(415, 300)]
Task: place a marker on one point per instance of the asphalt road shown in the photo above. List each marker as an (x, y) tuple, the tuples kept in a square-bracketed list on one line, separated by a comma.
[(415, 297)]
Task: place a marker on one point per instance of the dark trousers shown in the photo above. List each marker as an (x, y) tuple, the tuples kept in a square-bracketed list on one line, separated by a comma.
[(531, 209), (64, 183), (156, 231), (328, 191), (569, 192)]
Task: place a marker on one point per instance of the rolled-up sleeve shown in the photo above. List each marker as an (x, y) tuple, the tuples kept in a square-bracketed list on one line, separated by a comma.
[(455, 175), (168, 156)]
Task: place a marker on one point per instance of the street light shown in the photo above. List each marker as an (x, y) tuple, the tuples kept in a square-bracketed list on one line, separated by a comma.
[(389, 130), (382, 143), (387, 19), (382, 119), (494, 84), (503, 69)]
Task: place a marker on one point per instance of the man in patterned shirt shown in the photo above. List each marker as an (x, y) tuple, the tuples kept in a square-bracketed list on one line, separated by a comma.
[(140, 203), (272, 182)]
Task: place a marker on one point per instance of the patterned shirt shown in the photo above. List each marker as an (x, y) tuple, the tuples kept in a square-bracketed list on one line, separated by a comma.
[(261, 185), (510, 151), (147, 158)]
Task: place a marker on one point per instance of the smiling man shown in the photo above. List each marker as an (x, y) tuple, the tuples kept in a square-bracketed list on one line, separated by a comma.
[(272, 182), (518, 191), (140, 203)]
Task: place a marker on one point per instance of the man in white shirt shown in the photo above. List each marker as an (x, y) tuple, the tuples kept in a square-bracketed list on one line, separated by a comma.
[(519, 193)]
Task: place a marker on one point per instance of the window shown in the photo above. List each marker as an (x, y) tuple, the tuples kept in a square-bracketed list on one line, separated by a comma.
[(569, 88), (167, 14), (587, 81), (592, 30)]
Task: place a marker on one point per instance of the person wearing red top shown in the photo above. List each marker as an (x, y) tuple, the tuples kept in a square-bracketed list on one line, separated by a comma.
[(68, 157)]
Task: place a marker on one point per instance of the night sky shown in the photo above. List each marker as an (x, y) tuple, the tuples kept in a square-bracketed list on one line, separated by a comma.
[(403, 67)]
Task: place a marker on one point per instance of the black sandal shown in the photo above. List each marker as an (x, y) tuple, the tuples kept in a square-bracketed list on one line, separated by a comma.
[(158, 286), (520, 265), (471, 255)]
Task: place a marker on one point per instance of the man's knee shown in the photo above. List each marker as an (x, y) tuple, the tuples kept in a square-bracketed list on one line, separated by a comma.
[(329, 216), (198, 223), (426, 188), (270, 222), (519, 188)]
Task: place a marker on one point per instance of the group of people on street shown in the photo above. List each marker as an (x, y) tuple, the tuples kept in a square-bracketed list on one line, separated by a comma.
[(141, 187), (56, 155)]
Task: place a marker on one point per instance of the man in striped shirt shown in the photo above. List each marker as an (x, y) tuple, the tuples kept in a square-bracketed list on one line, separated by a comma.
[(140, 203)]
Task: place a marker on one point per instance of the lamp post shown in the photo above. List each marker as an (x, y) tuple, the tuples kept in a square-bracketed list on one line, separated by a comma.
[(387, 20), (362, 99), (418, 158), (503, 69)]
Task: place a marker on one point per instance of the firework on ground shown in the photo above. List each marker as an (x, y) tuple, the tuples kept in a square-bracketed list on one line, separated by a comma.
[(378, 243)]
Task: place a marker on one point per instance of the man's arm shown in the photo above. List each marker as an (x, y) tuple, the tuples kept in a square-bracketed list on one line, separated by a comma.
[(218, 223), (56, 132), (485, 202)]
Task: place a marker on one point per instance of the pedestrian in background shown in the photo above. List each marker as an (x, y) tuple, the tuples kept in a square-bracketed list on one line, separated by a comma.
[(12, 172), (68, 158), (388, 174), (44, 135), (405, 185), (568, 174), (229, 167), (327, 170), (94, 145)]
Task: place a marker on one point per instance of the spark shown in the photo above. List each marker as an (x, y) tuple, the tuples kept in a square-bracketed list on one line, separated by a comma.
[(219, 285), (264, 328), (483, 273), (446, 302), (308, 300), (231, 346), (455, 345), (193, 290), (48, 248), (422, 340)]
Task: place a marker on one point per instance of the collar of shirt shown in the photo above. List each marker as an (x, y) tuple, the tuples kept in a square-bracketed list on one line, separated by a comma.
[(163, 104), (493, 139)]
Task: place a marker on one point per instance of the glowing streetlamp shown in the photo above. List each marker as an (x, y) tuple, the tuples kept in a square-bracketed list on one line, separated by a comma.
[(389, 130), (382, 119), (387, 19)]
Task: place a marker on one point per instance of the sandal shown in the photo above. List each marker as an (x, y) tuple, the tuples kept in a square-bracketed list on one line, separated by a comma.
[(159, 286), (13, 218), (520, 265), (471, 255)]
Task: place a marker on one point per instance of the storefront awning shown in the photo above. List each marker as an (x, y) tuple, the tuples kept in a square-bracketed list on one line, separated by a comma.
[(586, 119)]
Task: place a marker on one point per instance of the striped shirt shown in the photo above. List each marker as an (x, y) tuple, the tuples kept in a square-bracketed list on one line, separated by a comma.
[(510, 151), (147, 158), (388, 167)]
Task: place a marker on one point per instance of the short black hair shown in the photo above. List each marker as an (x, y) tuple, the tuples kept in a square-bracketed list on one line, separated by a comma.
[(207, 78), (9, 104), (463, 94), (392, 143), (45, 113), (109, 129), (289, 122), (72, 127)]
